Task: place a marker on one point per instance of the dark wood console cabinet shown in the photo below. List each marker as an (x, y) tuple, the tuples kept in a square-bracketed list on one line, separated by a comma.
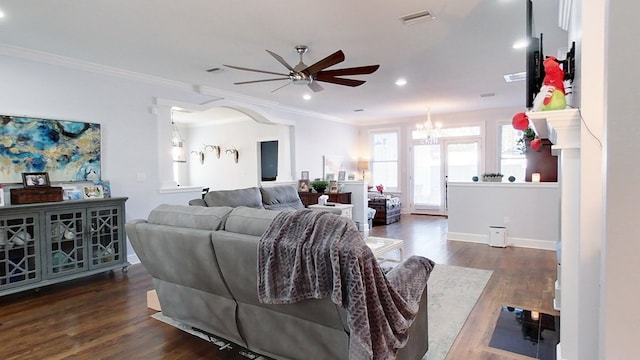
[(310, 198)]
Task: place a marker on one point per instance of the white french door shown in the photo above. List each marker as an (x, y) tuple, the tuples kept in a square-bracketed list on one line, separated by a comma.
[(433, 165)]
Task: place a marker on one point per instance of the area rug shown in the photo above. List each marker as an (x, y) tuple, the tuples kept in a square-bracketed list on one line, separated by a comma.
[(452, 294)]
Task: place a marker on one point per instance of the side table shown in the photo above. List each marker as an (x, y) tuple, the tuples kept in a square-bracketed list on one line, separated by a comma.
[(340, 209)]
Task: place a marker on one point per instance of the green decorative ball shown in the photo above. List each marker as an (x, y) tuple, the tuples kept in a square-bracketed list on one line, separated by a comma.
[(475, 179), (512, 178)]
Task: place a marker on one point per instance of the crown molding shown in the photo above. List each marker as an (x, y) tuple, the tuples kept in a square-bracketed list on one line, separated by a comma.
[(217, 94), (52, 59)]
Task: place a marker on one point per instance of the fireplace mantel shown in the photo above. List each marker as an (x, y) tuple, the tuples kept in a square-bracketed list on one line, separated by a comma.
[(563, 128)]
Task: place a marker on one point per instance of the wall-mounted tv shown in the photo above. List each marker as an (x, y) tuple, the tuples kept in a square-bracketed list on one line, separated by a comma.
[(535, 56)]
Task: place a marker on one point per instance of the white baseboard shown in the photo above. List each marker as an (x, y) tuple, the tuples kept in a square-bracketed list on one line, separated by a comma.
[(559, 352), (511, 241)]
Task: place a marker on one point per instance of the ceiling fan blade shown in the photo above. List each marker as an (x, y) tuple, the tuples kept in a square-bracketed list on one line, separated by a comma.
[(315, 86), (278, 88), (336, 57), (258, 81), (360, 70), (280, 60), (341, 81), (254, 70)]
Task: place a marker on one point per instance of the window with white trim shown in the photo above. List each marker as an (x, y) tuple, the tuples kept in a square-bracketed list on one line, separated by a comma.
[(513, 162), (384, 159)]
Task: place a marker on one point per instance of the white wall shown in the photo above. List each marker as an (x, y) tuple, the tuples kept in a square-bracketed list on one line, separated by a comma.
[(316, 138), (244, 135), (620, 288), (529, 211)]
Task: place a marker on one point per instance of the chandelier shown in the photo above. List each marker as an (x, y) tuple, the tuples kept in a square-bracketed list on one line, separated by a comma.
[(427, 132)]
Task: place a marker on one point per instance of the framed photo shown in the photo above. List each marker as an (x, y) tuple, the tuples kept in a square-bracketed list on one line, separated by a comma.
[(304, 175), (342, 175), (333, 187), (352, 177), (35, 179), (330, 177), (1, 195), (92, 192), (303, 185)]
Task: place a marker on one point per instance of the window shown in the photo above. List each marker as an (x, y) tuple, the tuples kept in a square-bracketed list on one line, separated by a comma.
[(384, 161), (512, 159)]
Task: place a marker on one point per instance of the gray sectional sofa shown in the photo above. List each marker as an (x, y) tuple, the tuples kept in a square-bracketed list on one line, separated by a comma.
[(270, 198), (203, 261)]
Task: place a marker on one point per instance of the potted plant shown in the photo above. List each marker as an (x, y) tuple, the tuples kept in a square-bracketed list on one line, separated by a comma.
[(319, 185), (527, 136)]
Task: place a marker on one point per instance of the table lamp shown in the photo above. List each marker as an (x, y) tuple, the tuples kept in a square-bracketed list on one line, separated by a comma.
[(363, 166)]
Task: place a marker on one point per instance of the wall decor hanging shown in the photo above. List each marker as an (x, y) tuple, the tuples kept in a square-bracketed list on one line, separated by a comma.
[(66, 150)]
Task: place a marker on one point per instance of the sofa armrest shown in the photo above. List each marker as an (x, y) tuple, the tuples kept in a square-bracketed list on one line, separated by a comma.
[(197, 202), (410, 277)]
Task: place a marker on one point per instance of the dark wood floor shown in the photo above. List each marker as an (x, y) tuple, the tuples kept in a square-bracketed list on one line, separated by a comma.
[(105, 316)]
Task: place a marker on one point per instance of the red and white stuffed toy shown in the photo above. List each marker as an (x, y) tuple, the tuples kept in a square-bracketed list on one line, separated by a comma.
[(552, 93)]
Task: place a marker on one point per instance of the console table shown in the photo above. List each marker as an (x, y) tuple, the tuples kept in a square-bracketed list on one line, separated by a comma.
[(48, 243), (387, 210), (310, 198)]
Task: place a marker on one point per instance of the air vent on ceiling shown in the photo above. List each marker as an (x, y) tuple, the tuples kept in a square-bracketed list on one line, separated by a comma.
[(418, 17), (521, 76)]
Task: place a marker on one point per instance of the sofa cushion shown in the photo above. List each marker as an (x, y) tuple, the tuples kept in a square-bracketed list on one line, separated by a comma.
[(281, 197), (196, 217), (249, 221), (249, 197)]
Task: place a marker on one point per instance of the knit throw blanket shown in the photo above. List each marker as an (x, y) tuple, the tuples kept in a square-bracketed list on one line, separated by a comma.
[(312, 254)]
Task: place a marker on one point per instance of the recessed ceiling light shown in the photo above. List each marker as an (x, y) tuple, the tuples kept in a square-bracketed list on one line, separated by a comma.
[(306, 96), (401, 82), (1, 14), (521, 76), (520, 44)]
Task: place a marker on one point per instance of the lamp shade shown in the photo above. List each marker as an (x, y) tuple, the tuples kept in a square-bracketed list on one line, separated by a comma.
[(363, 165)]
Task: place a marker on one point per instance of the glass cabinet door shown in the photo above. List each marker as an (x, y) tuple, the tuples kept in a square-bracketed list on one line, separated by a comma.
[(106, 236), (66, 242), (19, 250)]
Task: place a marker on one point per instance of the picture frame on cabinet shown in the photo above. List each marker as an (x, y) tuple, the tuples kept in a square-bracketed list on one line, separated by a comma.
[(304, 175), (342, 175), (333, 187), (93, 192), (303, 185), (35, 179), (1, 195)]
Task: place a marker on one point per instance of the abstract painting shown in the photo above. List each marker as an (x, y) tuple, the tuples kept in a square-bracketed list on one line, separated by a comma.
[(66, 150)]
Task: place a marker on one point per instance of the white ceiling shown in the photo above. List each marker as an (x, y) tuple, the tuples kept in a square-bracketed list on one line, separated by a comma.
[(448, 62)]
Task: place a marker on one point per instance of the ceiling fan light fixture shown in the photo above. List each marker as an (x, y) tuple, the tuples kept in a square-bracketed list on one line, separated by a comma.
[(418, 17)]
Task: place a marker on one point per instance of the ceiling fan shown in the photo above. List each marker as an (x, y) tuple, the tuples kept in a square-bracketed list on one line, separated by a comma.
[(301, 74)]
